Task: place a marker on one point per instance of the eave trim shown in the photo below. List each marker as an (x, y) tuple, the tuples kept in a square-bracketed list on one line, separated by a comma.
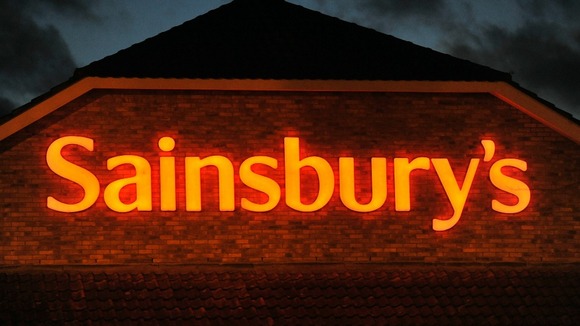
[(502, 90)]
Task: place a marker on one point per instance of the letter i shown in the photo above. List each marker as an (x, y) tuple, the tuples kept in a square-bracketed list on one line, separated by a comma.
[(167, 175)]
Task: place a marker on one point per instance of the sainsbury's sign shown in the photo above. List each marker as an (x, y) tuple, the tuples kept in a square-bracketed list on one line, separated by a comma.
[(293, 164)]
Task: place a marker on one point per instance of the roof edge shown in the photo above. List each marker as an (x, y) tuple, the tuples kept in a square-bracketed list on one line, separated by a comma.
[(502, 90)]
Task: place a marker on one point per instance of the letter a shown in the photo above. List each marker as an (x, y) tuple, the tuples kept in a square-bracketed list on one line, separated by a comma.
[(142, 181)]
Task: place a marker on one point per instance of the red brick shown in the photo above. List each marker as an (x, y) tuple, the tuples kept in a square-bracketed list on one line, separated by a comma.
[(242, 124)]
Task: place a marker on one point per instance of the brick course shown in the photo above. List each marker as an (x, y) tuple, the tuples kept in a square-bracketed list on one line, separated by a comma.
[(238, 125)]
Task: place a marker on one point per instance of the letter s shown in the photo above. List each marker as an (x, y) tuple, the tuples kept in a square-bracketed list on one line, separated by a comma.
[(261, 183), (72, 172), (510, 185)]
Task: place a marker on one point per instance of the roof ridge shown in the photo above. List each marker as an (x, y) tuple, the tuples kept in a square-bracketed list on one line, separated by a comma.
[(283, 41)]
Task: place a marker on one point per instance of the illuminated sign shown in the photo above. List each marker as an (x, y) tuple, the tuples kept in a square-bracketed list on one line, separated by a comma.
[(293, 164)]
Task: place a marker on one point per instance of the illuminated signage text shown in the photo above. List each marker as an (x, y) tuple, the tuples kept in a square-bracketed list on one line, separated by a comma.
[(293, 164)]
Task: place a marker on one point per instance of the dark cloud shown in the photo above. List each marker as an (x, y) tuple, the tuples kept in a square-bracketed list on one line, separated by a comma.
[(81, 9), (550, 10), (387, 15), (540, 45), (542, 53), (33, 57), (403, 9), (5, 105), (380, 8), (66, 8), (535, 56)]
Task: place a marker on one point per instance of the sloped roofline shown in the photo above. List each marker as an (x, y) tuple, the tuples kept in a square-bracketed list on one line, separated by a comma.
[(502, 90)]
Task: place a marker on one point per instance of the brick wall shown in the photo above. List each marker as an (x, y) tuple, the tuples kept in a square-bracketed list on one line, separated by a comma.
[(238, 125)]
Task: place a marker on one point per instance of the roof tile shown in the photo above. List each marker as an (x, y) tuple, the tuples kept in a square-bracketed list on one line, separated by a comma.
[(414, 296), (280, 40)]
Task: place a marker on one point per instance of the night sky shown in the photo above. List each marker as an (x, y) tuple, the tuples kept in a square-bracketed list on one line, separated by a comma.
[(538, 42)]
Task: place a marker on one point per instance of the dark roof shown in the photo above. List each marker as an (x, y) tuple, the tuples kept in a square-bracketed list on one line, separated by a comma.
[(373, 295), (273, 39)]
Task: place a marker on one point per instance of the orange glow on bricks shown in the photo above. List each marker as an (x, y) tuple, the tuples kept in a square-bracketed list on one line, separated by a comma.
[(261, 183), (509, 185), (298, 172), (167, 175), (293, 165), (403, 171), (72, 172), (347, 184), (457, 195), (141, 180)]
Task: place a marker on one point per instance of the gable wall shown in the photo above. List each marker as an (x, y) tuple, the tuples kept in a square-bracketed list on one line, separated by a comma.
[(238, 125)]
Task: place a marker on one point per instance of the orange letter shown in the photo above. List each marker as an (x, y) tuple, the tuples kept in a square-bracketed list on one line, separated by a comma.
[(379, 184), (167, 175), (225, 168), (511, 185), (402, 175), (293, 164), (261, 183), (142, 181), (72, 172), (457, 196)]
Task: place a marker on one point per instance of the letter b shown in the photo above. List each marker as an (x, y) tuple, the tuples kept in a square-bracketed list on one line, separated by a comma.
[(293, 165)]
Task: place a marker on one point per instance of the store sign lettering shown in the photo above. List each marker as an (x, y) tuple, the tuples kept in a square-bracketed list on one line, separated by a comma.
[(293, 164)]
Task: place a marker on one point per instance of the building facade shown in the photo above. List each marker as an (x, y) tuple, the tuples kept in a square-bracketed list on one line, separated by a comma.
[(188, 158), (259, 198)]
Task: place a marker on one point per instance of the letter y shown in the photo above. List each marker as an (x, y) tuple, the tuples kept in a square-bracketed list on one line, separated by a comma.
[(457, 196)]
